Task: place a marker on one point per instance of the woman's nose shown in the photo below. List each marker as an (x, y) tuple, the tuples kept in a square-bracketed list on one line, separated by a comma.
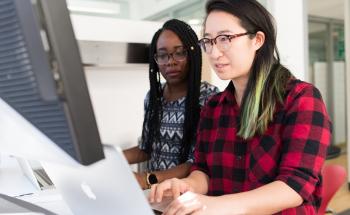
[(215, 52)]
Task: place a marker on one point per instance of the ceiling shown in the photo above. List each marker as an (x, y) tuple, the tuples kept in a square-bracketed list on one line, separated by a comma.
[(326, 8), (126, 8)]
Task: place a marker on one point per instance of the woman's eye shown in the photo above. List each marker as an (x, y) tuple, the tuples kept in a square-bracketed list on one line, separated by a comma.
[(206, 42), (180, 53), (223, 39), (162, 56)]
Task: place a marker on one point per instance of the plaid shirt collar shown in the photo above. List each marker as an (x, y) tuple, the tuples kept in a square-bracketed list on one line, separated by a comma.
[(228, 95)]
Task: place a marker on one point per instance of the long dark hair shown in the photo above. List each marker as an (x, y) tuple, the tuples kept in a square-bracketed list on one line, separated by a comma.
[(268, 78), (151, 123)]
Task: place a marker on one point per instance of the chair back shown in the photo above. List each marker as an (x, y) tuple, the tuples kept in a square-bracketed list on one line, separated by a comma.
[(333, 178)]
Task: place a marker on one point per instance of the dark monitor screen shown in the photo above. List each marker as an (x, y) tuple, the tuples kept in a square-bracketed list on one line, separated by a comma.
[(41, 75)]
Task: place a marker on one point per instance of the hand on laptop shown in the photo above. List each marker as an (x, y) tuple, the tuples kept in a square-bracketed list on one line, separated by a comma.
[(178, 196), (172, 187), (187, 203)]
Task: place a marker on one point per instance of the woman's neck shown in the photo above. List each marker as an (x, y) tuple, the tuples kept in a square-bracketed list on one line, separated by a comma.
[(240, 86), (173, 92)]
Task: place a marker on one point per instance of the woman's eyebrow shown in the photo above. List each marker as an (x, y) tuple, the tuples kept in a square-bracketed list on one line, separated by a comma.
[(218, 33), (175, 47)]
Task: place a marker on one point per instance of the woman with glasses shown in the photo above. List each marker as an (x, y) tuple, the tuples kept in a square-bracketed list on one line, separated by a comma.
[(262, 142), (172, 108)]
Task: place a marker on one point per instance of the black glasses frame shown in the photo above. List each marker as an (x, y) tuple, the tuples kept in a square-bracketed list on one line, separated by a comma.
[(171, 55)]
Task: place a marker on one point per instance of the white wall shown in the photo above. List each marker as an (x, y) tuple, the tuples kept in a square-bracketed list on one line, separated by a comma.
[(92, 28), (117, 91), (117, 96), (144, 9), (292, 34)]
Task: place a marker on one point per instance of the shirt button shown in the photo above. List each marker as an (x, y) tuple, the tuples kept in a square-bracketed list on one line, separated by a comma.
[(239, 158)]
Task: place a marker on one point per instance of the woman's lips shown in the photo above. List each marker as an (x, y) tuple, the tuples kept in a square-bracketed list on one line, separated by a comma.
[(220, 65), (172, 73)]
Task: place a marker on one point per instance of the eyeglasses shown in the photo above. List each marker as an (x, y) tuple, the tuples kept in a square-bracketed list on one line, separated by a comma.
[(222, 42), (180, 54)]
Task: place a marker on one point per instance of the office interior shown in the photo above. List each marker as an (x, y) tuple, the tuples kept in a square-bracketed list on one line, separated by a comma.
[(313, 40)]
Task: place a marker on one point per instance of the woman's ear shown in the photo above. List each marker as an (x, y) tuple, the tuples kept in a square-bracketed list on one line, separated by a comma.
[(259, 40)]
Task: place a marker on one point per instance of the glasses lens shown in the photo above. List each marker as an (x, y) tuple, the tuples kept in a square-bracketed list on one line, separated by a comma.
[(223, 42), (161, 58), (206, 45), (180, 55)]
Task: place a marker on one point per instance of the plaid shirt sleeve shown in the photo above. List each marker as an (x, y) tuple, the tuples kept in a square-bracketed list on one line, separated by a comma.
[(306, 136)]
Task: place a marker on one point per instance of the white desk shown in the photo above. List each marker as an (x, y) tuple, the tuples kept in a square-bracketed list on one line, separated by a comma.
[(13, 183)]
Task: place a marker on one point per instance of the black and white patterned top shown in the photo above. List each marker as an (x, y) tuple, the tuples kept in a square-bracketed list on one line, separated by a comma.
[(166, 151)]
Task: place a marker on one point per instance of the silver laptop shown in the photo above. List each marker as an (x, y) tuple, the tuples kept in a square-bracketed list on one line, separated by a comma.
[(105, 187)]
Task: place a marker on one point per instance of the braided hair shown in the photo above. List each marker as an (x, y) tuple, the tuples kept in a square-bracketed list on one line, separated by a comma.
[(151, 123)]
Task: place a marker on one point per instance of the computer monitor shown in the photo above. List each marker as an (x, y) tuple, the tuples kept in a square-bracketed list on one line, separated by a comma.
[(42, 79)]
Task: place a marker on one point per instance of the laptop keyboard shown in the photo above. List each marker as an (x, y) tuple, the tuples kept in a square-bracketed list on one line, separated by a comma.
[(43, 179)]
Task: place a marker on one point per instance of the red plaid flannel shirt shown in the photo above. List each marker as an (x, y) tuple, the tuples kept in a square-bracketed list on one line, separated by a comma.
[(292, 150)]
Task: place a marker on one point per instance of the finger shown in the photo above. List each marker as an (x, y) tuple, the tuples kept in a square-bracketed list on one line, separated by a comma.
[(152, 193), (159, 192), (175, 188)]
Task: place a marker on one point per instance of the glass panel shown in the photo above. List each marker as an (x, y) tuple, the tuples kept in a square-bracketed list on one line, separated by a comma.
[(318, 66), (332, 87), (339, 44), (338, 85)]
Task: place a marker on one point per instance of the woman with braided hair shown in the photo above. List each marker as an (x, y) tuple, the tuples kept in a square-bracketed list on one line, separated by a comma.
[(172, 108)]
